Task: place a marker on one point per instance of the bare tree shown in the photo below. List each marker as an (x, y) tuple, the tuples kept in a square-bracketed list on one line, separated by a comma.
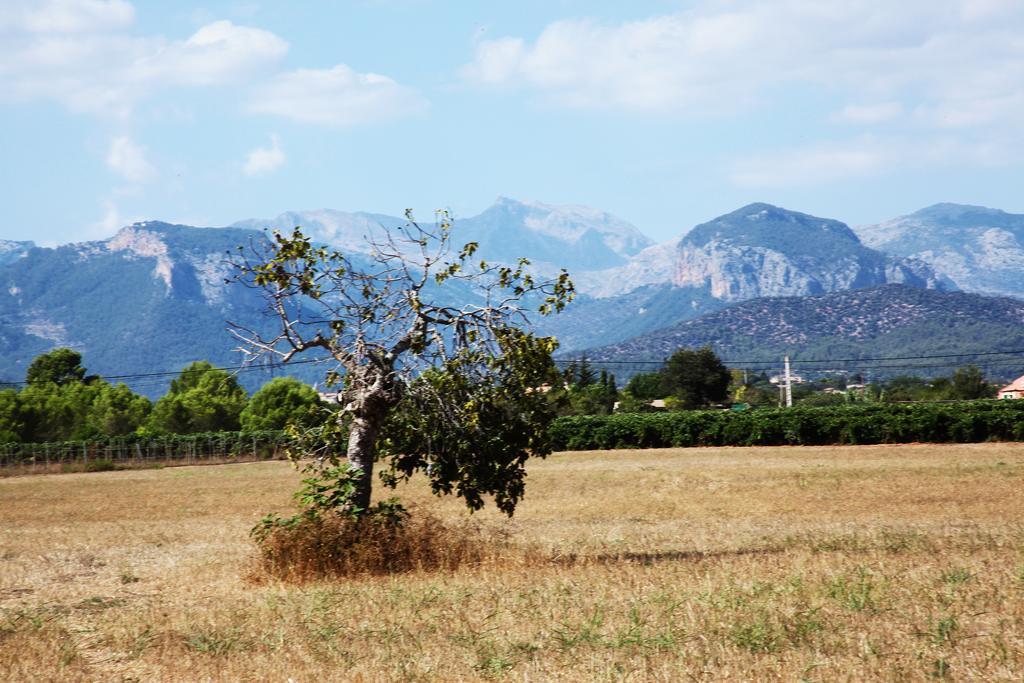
[(419, 325)]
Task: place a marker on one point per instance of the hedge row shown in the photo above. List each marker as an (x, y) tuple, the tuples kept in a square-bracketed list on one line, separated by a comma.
[(960, 422)]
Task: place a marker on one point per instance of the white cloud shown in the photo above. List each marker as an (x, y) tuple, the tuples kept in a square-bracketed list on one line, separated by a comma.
[(970, 112), (335, 97), (79, 54), (109, 72), (64, 16), (264, 159), (219, 52), (829, 162), (868, 113), (497, 61), (810, 166), (128, 159), (724, 55), (111, 220)]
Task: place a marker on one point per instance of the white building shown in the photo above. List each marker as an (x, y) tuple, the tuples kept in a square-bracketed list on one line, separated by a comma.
[(1014, 389)]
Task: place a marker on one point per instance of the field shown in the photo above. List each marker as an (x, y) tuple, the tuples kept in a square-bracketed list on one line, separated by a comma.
[(822, 564)]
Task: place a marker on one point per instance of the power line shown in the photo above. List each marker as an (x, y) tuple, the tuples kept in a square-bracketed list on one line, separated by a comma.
[(236, 368), (155, 378), (152, 378), (942, 355), (648, 361)]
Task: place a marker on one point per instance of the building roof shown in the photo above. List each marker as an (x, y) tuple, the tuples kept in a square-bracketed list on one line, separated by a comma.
[(1015, 385)]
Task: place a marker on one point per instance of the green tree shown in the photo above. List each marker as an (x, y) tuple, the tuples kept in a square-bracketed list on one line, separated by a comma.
[(56, 401), (12, 420), (170, 415), (80, 397), (61, 402), (819, 398), (646, 386), (59, 366), (117, 410), (590, 399), (280, 402), (427, 385), (611, 391), (908, 388), (628, 404), (969, 383), (49, 413), (585, 375), (202, 399), (761, 394), (695, 378), (569, 373), (939, 389)]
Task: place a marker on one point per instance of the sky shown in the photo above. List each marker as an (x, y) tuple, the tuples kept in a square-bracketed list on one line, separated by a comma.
[(664, 113)]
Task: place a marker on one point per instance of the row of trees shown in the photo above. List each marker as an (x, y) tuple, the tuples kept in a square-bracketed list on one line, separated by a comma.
[(585, 391), (697, 378), (61, 401), (689, 379), (964, 384)]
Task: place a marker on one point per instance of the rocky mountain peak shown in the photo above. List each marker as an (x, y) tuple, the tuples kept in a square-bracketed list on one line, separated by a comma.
[(139, 240), (552, 236), (571, 224), (764, 250), (11, 250), (350, 232), (772, 227), (968, 213), (978, 248)]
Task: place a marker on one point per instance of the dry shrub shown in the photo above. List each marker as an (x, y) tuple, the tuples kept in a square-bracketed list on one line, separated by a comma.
[(335, 545)]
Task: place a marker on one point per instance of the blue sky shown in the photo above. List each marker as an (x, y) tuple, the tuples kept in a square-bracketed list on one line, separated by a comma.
[(664, 113)]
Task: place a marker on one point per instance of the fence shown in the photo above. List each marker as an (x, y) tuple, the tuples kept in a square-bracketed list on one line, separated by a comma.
[(138, 451)]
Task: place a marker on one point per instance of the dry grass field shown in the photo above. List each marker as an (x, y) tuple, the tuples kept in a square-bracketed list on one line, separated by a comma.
[(820, 564)]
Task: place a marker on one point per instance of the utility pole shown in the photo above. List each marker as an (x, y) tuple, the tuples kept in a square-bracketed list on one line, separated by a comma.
[(789, 385)]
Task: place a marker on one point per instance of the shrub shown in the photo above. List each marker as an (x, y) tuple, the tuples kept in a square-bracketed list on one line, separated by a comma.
[(964, 421), (339, 545)]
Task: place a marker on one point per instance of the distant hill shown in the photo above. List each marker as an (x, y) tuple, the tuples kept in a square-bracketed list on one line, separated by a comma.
[(892, 320), (151, 298), (591, 321), (979, 249)]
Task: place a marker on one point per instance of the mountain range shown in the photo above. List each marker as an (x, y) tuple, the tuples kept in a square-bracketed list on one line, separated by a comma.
[(153, 296), (576, 238), (756, 251), (976, 248), (890, 321)]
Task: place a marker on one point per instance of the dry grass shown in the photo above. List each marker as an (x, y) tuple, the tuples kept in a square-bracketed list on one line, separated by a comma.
[(852, 563)]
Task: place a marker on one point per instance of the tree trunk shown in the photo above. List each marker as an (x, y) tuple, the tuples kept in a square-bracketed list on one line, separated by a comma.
[(362, 448)]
